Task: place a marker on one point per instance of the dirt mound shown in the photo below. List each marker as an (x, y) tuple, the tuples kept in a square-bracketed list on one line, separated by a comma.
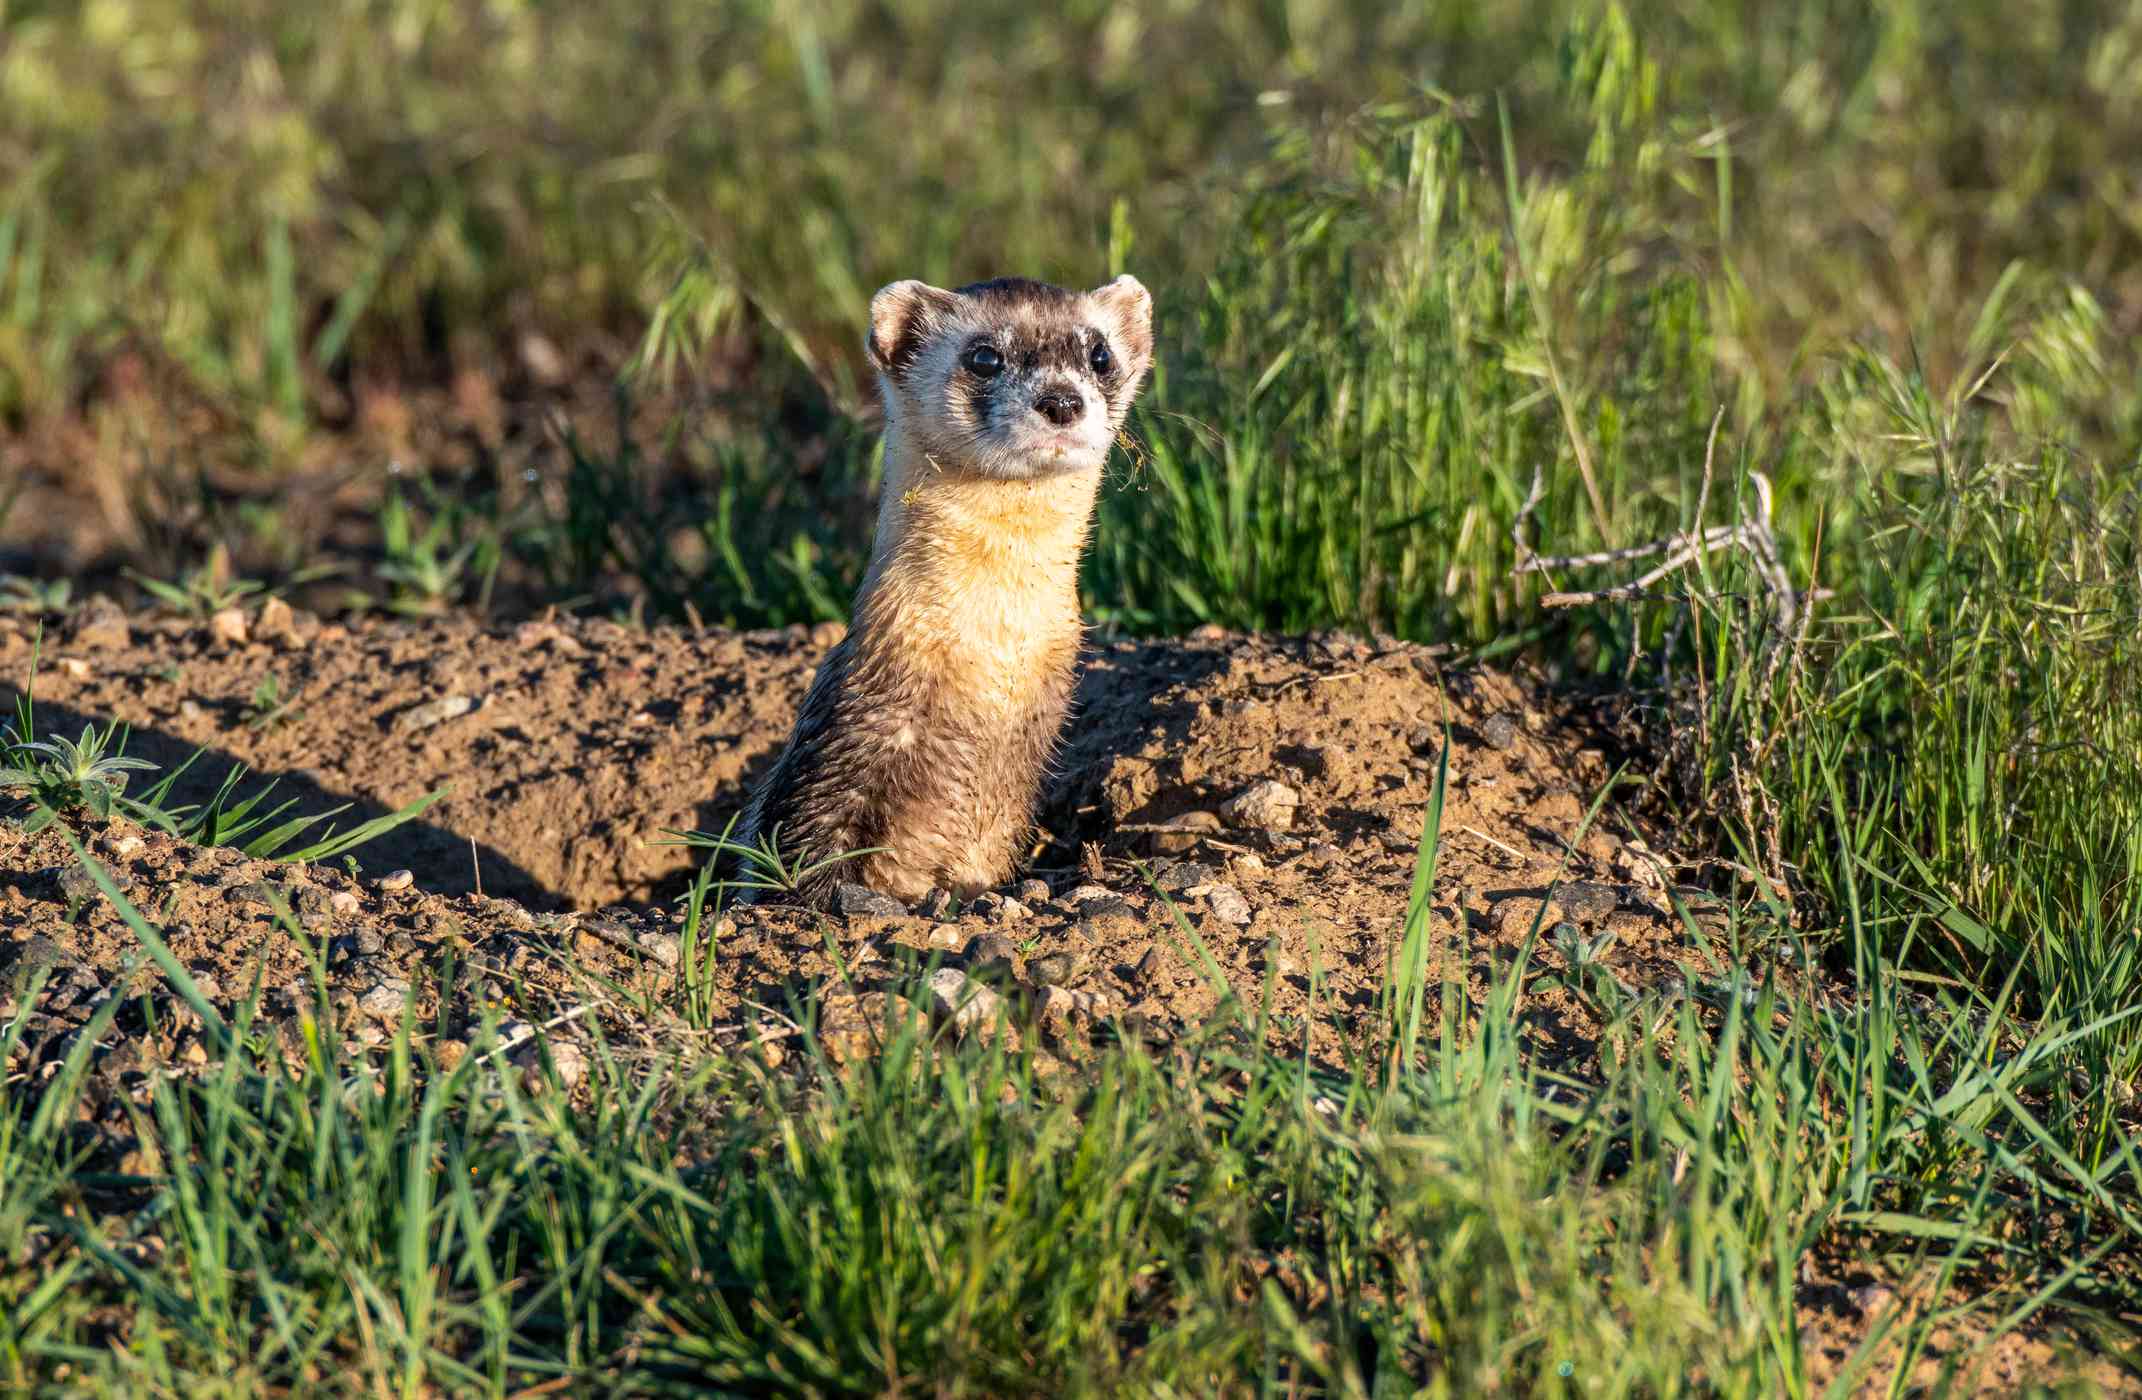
[(1231, 812)]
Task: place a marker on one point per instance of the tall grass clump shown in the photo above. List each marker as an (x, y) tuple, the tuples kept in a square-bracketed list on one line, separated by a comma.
[(1973, 692)]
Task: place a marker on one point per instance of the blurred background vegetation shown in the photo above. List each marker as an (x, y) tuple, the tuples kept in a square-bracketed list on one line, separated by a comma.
[(413, 305)]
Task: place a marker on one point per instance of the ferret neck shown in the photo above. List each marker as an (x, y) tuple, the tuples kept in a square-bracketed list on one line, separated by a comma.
[(939, 526)]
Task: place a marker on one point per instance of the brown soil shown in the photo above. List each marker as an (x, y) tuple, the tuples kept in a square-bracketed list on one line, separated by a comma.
[(585, 742)]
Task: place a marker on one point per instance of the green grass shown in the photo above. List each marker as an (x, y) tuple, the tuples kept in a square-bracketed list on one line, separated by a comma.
[(942, 1218)]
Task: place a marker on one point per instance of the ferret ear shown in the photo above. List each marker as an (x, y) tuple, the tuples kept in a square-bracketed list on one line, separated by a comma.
[(1131, 304), (902, 315)]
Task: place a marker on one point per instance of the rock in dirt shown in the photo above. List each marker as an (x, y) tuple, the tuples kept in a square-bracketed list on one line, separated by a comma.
[(992, 946), (1183, 833), (77, 884), (259, 894), (433, 713), (1059, 1005), (567, 1060), (34, 952), (1226, 902), (998, 908), (1034, 891), (101, 624), (397, 880), (1587, 902), (277, 621), (229, 626), (385, 1000), (1054, 969), (1499, 731), (1183, 876), (1263, 806), (854, 900), (965, 1001)]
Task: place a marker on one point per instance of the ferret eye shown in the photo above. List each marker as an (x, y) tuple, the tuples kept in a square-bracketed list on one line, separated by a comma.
[(1101, 360), (983, 360)]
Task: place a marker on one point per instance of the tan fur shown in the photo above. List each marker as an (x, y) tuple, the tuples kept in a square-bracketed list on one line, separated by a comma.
[(927, 731), (979, 595)]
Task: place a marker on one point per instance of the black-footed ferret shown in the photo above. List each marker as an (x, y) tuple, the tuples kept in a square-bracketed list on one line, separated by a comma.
[(927, 731)]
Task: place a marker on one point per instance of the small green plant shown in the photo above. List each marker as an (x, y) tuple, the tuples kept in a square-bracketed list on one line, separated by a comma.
[(428, 571), (202, 591), (760, 865), (36, 596), (61, 774), (268, 706), (245, 824)]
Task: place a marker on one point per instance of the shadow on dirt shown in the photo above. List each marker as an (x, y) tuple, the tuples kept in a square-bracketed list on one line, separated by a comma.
[(442, 860)]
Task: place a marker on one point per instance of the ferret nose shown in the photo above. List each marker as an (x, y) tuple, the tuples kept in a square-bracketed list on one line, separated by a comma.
[(1063, 407)]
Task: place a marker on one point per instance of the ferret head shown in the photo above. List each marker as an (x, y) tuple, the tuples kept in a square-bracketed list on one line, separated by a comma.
[(1011, 379)]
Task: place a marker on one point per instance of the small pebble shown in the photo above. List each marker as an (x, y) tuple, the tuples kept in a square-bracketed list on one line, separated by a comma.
[(102, 624), (1226, 902), (1053, 969), (1086, 894), (1058, 1004), (275, 621), (567, 1060), (852, 900), (992, 948), (397, 880), (385, 1000), (343, 902), (1263, 806), (1184, 832), (1185, 875), (1499, 731), (947, 938), (1034, 891), (1106, 920), (958, 996), (229, 625), (1587, 901), (433, 713), (256, 892)]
